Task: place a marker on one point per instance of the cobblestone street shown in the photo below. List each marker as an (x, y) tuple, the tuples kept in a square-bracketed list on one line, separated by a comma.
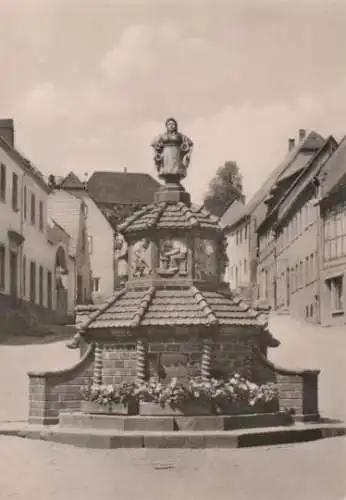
[(41, 470)]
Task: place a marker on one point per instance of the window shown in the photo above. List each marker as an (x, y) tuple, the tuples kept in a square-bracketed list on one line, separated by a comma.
[(41, 216), (240, 234), (236, 238), (15, 192), (32, 281), (32, 209), (96, 285), (40, 281), (49, 289), (301, 275), (312, 268), (245, 266), (335, 286), (24, 276), (307, 276), (245, 232), (25, 202), (2, 267), (2, 182), (90, 244)]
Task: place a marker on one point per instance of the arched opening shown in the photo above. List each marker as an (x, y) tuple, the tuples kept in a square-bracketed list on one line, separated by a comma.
[(61, 281)]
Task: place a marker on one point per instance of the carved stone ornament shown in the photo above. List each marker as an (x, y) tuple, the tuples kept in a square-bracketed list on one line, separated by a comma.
[(205, 259), (141, 266), (173, 258), (172, 152), (119, 246)]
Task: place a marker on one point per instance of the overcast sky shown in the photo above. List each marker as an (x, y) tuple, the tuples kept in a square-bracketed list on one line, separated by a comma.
[(90, 83)]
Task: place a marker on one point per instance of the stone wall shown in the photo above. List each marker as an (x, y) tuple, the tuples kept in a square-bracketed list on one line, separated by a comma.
[(20, 317), (51, 392)]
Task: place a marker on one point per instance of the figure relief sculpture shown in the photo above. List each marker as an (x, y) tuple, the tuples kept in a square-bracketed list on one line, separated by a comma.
[(172, 152), (141, 265), (173, 258)]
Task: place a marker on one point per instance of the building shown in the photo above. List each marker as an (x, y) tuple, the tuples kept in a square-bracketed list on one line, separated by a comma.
[(68, 214), (27, 271), (100, 240), (288, 237), (241, 221), (119, 194), (333, 239)]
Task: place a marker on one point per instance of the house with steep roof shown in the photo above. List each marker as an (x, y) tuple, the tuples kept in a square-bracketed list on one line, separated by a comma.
[(119, 194), (69, 213), (288, 238), (100, 238), (241, 222)]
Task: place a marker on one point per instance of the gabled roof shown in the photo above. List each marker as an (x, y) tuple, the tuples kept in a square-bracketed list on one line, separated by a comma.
[(71, 181), (256, 205), (122, 188), (168, 216), (65, 209), (335, 170), (311, 169), (235, 211)]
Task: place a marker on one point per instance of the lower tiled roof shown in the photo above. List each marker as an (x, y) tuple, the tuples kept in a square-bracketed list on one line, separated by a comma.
[(155, 306)]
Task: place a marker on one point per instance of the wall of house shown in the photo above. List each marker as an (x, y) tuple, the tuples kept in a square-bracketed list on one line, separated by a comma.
[(288, 263), (239, 257), (333, 274), (100, 235), (26, 214)]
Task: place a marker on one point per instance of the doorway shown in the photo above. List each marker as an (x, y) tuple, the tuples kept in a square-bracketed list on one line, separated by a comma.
[(13, 274)]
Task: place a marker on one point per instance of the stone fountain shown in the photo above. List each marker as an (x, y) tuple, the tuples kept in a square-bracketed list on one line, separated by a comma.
[(174, 317)]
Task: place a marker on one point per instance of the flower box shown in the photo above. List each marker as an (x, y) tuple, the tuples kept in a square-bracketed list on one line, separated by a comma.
[(190, 408), (244, 408), (110, 409)]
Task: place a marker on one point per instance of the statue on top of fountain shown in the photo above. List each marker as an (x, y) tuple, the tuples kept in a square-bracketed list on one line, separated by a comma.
[(172, 152)]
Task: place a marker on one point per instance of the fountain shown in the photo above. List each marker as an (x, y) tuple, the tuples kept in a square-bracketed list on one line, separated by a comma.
[(173, 350)]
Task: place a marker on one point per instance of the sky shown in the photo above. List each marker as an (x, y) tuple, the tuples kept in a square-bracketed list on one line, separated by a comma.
[(90, 83)]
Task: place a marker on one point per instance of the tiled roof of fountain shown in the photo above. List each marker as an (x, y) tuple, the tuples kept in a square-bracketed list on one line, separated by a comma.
[(167, 216), (154, 306)]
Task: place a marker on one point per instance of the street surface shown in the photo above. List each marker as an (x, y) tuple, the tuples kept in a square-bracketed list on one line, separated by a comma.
[(47, 471)]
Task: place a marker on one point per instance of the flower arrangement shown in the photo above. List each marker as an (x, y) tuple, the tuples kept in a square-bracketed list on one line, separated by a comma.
[(109, 394), (176, 393)]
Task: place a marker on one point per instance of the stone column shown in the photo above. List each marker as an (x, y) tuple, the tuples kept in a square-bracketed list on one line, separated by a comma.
[(141, 358), (206, 359), (97, 376)]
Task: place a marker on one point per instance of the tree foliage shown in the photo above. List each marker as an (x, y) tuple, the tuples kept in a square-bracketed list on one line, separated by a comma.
[(224, 188)]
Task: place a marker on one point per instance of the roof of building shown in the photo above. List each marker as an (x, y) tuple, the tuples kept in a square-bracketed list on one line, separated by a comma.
[(235, 211), (24, 163), (122, 187), (335, 170), (71, 181), (65, 209), (256, 205), (167, 216), (314, 165), (155, 306)]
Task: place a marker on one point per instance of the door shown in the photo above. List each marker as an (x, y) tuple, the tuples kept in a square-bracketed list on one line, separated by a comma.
[(13, 274)]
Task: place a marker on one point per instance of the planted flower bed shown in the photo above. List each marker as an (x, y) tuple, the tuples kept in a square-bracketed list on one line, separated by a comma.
[(191, 396)]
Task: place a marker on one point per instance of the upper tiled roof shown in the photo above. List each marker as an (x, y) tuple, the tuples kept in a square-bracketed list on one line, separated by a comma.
[(122, 188), (169, 307), (169, 216), (235, 212), (335, 170), (256, 205), (71, 181)]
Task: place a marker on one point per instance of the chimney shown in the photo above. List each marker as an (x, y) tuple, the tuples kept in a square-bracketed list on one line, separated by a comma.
[(291, 144), (302, 133), (7, 130)]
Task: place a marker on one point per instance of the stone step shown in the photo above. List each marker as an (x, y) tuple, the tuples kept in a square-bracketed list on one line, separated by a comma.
[(172, 423), (107, 439)]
